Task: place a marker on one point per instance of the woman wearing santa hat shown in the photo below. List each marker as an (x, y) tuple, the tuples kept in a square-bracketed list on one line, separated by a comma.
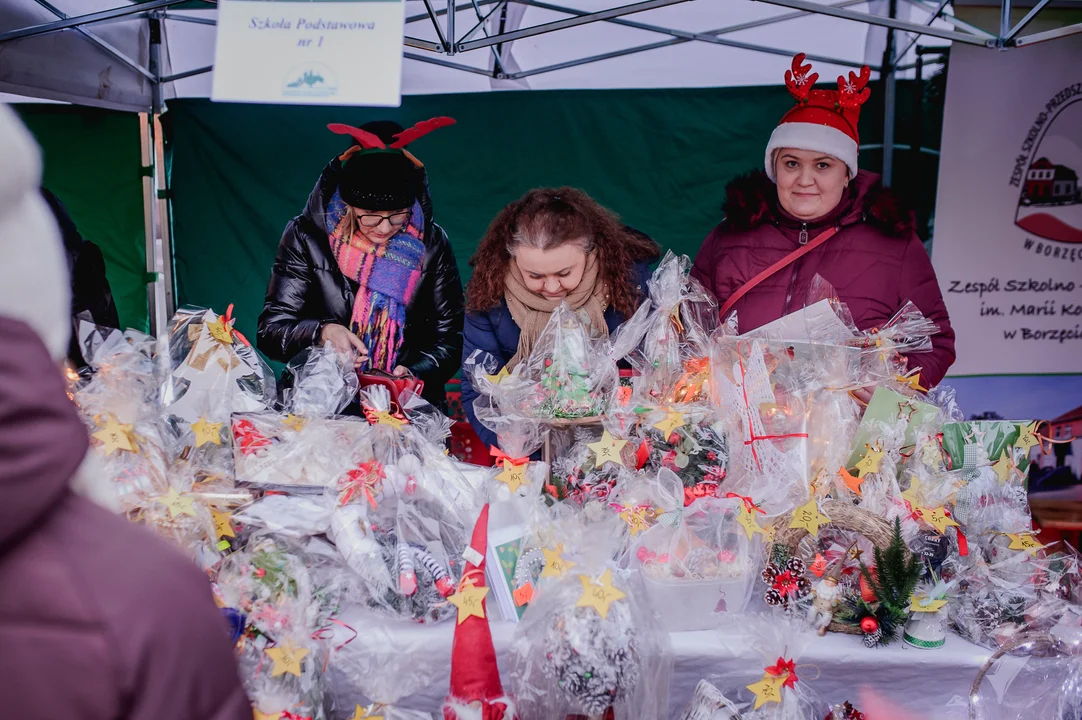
[(364, 266), (814, 213)]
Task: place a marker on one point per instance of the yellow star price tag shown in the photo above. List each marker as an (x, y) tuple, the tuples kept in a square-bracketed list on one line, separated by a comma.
[(607, 450), (768, 690), (207, 432), (749, 523), (599, 594), (367, 713), (870, 462), (912, 381), (499, 377), (287, 659), (259, 715), (513, 476), (922, 604), (385, 418), (635, 518), (555, 564), (1024, 541), (1005, 467), (1027, 437), (807, 516), (769, 532), (295, 422), (913, 494), (669, 423), (220, 331), (176, 503), (223, 527), (115, 436), (468, 600), (937, 518)]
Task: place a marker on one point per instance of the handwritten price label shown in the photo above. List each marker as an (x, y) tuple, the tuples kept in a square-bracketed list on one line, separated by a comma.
[(767, 690), (523, 595), (555, 564), (1024, 542)]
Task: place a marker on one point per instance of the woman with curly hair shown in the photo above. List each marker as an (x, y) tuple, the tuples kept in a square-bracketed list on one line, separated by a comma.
[(548, 247)]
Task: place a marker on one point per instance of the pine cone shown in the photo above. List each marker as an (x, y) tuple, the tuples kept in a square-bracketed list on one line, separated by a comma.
[(773, 597), (872, 639), (796, 566), (770, 573)]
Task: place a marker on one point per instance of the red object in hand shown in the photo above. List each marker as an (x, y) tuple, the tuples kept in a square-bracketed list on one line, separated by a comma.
[(402, 387)]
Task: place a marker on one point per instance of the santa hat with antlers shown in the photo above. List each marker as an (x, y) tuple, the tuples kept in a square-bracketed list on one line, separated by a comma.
[(476, 691), (378, 173), (822, 120)]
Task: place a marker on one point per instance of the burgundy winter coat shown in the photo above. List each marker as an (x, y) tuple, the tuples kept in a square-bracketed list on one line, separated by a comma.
[(875, 262), (99, 619)]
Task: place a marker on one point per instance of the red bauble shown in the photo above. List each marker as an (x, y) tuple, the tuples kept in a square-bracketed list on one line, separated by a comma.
[(867, 594), (869, 625)]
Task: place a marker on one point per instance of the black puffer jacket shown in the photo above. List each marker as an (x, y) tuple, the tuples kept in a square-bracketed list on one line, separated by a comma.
[(307, 291)]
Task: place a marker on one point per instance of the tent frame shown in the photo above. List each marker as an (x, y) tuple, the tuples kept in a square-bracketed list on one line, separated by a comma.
[(450, 43)]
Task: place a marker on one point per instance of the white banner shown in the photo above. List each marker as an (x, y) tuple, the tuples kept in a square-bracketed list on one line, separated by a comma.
[(1008, 225), (320, 52)]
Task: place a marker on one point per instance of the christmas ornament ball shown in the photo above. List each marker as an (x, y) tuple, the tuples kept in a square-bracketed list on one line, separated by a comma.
[(869, 625)]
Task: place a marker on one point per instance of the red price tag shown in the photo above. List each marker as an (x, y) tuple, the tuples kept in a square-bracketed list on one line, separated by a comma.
[(523, 595)]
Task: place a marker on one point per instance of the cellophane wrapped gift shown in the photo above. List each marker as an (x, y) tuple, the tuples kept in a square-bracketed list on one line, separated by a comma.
[(642, 500), (908, 332), (117, 399), (1037, 677), (581, 476), (214, 371), (588, 643), (771, 687), (519, 437), (672, 362), (690, 442), (281, 598), (702, 565), (382, 672), (758, 390), (324, 382), (402, 519)]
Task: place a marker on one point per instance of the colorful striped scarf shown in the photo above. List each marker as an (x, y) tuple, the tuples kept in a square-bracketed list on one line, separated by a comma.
[(388, 275)]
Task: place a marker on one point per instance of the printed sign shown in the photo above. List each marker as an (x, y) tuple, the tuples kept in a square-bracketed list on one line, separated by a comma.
[(1008, 227), (320, 52)]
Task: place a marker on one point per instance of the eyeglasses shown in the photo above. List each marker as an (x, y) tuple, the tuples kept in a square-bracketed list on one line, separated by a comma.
[(397, 219)]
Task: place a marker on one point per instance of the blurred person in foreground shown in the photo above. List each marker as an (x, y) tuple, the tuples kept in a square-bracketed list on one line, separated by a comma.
[(99, 619)]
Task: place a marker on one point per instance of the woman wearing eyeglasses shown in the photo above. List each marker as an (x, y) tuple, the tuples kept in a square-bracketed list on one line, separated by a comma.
[(365, 268)]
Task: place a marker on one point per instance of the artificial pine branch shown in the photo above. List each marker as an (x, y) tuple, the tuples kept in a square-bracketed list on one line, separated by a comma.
[(897, 574)]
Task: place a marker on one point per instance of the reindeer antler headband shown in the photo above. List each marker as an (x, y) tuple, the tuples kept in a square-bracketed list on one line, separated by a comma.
[(367, 141)]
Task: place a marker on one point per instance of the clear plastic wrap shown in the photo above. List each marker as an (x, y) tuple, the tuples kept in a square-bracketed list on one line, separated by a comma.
[(519, 438), (276, 451), (324, 382), (1034, 676), (691, 443), (767, 421), (215, 372), (581, 475), (702, 565), (282, 597), (587, 643), (673, 360), (772, 687)]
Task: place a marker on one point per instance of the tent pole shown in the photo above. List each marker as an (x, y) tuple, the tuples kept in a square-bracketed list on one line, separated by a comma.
[(889, 86), (159, 302)]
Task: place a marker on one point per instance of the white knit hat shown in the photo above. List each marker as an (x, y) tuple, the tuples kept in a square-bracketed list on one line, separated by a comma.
[(34, 283)]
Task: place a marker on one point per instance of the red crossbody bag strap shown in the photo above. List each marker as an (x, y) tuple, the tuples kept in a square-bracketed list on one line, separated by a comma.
[(780, 264)]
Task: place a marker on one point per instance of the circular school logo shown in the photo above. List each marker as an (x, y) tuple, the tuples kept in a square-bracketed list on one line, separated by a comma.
[(1047, 173), (310, 80)]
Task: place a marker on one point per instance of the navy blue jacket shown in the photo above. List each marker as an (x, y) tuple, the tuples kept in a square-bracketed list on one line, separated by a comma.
[(496, 333)]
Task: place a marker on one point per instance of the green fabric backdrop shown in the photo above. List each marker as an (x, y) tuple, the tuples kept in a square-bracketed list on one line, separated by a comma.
[(660, 158), (92, 163)]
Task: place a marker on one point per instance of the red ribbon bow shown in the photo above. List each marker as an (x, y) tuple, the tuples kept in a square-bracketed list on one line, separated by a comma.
[(287, 715), (227, 322), (748, 502), (784, 667), (366, 477), (500, 456)]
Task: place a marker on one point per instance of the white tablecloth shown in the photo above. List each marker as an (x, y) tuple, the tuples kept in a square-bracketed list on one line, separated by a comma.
[(933, 682)]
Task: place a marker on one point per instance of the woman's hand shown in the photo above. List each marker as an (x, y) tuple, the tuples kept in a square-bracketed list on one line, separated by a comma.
[(863, 395), (401, 371), (344, 341)]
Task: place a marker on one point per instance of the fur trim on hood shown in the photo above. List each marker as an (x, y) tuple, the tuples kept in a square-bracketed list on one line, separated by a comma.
[(751, 200)]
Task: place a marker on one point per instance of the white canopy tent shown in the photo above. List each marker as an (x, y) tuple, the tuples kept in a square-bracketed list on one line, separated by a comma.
[(134, 56)]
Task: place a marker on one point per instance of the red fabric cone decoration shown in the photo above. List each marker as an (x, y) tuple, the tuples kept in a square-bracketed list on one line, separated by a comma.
[(476, 691), (822, 120)]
